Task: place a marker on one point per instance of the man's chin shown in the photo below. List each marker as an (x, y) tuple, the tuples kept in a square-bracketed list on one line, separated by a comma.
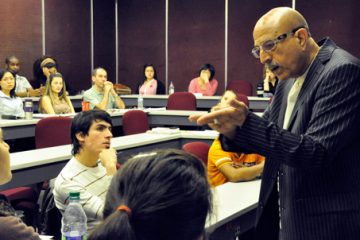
[(282, 76)]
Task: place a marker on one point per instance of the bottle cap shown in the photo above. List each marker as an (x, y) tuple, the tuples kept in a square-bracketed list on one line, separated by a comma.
[(74, 195)]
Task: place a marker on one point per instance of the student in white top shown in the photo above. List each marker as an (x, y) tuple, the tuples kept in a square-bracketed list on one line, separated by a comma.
[(23, 87), (9, 103), (92, 166)]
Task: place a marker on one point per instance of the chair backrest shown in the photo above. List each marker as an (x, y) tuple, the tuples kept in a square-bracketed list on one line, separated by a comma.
[(135, 121), (181, 101), (243, 98), (199, 149), (52, 131), (240, 86)]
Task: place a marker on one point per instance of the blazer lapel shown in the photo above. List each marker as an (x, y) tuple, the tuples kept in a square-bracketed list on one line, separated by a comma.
[(312, 76)]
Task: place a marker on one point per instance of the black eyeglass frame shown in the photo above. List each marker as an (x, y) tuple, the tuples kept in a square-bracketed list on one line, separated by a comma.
[(270, 45)]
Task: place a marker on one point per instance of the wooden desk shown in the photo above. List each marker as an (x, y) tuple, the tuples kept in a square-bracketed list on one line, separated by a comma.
[(203, 102), (41, 164), (14, 129)]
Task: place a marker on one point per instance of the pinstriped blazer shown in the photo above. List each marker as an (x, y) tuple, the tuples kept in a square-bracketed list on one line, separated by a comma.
[(317, 160)]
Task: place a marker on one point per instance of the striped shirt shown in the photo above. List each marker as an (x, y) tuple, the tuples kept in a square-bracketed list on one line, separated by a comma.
[(92, 183)]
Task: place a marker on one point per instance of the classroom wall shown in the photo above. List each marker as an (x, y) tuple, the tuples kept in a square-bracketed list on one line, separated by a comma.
[(104, 36), (20, 32), (68, 39), (196, 35), (141, 39)]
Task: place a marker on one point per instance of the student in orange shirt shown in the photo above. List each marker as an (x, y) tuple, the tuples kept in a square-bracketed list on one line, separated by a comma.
[(229, 166)]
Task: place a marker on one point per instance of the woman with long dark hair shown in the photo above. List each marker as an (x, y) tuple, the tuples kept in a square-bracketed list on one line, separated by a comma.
[(150, 84)]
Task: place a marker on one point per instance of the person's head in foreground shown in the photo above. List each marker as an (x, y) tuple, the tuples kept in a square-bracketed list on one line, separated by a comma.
[(162, 195)]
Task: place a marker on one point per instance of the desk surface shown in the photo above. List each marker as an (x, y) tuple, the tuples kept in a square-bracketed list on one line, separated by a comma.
[(232, 200), (40, 164), (21, 128), (203, 102)]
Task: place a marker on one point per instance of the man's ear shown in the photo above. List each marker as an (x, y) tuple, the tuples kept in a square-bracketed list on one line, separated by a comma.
[(302, 36), (80, 137)]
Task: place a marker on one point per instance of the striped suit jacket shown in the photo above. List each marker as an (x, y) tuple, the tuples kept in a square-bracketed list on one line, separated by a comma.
[(317, 160)]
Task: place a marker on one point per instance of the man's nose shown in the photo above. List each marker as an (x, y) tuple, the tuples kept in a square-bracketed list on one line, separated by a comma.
[(109, 133), (265, 57)]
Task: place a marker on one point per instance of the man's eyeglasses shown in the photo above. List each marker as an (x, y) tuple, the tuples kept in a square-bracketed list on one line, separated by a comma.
[(270, 45)]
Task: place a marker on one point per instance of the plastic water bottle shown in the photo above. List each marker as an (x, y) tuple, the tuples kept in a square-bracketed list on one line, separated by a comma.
[(73, 222), (260, 90), (171, 88), (140, 101)]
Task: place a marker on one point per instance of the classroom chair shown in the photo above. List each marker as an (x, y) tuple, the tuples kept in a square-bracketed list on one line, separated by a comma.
[(52, 131), (135, 121), (240, 86), (181, 101), (199, 149), (242, 98)]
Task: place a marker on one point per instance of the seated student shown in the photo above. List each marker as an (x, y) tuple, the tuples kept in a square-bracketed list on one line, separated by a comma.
[(92, 166), (42, 69), (229, 166), (102, 94), (9, 103), (205, 84), (156, 196), (55, 100), (150, 85), (23, 87), (270, 82), (11, 227)]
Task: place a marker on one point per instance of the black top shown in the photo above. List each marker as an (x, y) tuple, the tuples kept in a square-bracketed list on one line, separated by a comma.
[(272, 88)]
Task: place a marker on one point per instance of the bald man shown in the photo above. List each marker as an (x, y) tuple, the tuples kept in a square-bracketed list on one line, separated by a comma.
[(310, 134)]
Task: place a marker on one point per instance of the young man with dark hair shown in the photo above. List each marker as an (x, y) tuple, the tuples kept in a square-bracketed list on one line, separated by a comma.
[(92, 166)]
